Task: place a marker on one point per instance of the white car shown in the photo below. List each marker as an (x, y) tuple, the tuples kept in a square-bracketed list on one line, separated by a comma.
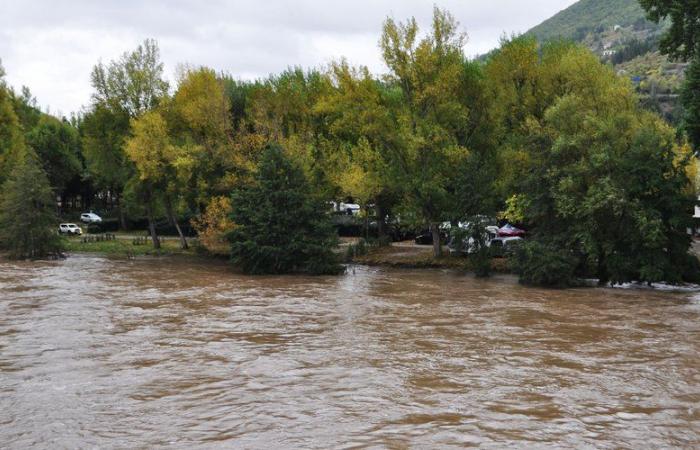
[(90, 218), (69, 228)]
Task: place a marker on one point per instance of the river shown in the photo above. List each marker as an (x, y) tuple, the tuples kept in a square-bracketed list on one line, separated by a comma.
[(176, 353)]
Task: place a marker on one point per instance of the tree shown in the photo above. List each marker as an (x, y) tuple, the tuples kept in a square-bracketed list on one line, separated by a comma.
[(682, 41), (11, 139), (157, 161), (428, 73), (359, 133), (280, 226), (134, 83), (683, 36), (103, 132), (199, 121), (27, 207), (690, 99), (57, 145), (123, 90)]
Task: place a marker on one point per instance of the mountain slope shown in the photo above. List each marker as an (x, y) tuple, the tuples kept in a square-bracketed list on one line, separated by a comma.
[(619, 33), (586, 16)]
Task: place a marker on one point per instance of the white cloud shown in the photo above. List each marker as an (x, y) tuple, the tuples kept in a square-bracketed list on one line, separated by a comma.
[(52, 46)]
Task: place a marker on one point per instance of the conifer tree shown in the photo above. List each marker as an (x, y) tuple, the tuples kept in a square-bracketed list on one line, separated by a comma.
[(280, 226), (27, 219)]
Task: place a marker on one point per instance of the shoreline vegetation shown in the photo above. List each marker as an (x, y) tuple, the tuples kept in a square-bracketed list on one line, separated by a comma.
[(401, 255), (539, 135)]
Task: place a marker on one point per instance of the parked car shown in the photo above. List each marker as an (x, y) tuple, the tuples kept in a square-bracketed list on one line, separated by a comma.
[(69, 228), (504, 246), (90, 217), (468, 245), (351, 209)]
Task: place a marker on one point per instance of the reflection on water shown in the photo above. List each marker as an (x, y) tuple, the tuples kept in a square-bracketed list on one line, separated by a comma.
[(152, 353)]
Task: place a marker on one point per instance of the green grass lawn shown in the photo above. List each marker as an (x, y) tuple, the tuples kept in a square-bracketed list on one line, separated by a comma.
[(125, 247)]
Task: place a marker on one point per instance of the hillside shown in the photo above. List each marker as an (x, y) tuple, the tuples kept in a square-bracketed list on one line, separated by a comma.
[(618, 32), (586, 16)]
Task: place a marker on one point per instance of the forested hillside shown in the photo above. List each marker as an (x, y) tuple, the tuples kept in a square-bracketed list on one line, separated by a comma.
[(586, 16), (620, 34)]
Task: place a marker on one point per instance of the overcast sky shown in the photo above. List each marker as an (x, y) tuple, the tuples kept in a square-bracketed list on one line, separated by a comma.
[(52, 45)]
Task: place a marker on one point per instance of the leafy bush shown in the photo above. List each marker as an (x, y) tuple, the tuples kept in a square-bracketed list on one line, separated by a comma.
[(480, 254), (360, 248), (545, 264), (481, 262)]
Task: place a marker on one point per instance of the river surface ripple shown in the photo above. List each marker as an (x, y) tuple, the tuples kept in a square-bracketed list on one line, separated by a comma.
[(171, 353)]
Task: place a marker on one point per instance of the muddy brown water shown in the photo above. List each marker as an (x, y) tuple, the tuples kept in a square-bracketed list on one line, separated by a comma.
[(181, 354)]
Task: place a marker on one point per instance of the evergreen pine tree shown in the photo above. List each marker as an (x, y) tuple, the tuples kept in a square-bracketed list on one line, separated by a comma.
[(27, 219), (281, 227)]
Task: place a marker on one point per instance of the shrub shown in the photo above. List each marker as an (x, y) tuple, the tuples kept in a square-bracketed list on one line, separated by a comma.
[(545, 264)]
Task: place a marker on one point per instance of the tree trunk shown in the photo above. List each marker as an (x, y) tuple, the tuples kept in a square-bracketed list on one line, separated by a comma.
[(437, 247), (152, 225), (122, 219), (122, 214), (366, 222), (381, 226), (173, 221), (602, 271)]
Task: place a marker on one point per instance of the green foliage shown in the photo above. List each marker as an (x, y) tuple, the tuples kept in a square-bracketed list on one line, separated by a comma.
[(134, 83), (27, 109), (691, 102), (11, 139), (27, 219), (280, 226), (57, 145), (682, 38), (480, 254), (104, 131), (545, 264)]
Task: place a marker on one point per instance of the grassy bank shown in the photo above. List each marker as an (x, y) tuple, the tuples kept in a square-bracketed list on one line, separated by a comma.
[(124, 248)]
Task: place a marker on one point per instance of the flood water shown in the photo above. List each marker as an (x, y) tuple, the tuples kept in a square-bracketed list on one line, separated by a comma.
[(184, 354)]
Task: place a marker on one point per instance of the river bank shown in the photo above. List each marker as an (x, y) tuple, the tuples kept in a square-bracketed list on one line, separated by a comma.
[(398, 255), (407, 255)]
